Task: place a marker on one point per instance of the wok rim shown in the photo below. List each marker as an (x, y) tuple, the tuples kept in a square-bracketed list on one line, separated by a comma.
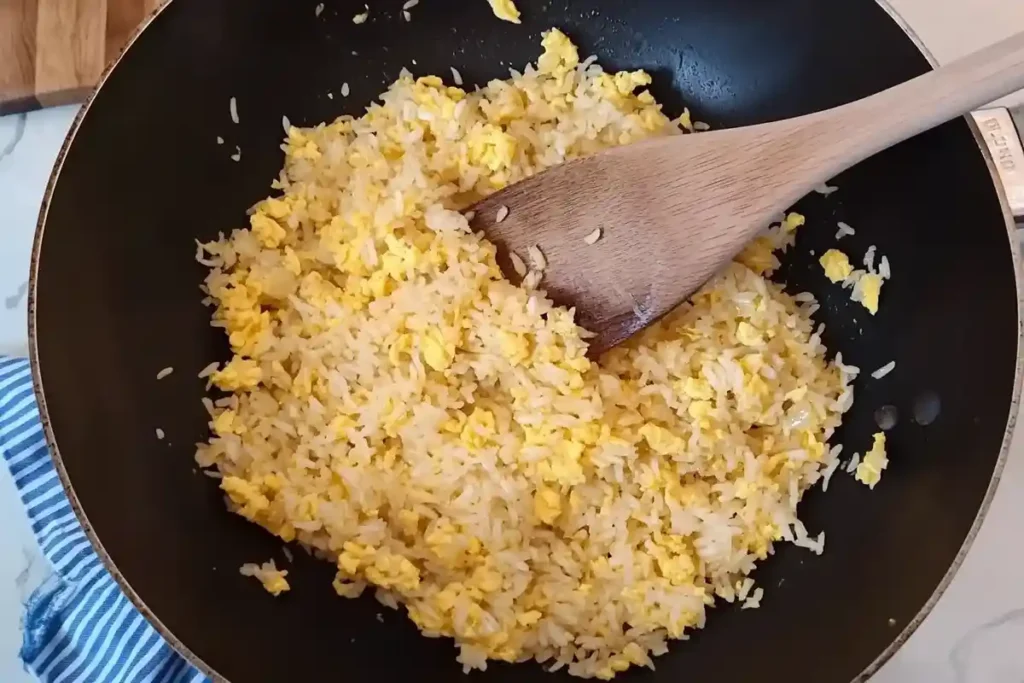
[(51, 441)]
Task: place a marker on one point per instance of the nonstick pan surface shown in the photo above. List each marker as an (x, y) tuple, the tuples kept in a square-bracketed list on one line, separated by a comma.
[(115, 298)]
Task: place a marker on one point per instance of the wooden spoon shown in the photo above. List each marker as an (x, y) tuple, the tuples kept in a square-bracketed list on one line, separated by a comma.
[(674, 210)]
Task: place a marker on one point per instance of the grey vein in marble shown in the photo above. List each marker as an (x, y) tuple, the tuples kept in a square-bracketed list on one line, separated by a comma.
[(19, 133), (983, 648), (11, 302)]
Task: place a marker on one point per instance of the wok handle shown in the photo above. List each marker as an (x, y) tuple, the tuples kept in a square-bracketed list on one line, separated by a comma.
[(861, 129)]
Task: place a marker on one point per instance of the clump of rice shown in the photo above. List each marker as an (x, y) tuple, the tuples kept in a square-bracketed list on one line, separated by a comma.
[(844, 230), (754, 601), (400, 409)]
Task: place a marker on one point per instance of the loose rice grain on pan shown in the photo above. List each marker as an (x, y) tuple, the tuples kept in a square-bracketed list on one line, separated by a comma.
[(479, 461), (884, 370), (518, 265), (537, 257)]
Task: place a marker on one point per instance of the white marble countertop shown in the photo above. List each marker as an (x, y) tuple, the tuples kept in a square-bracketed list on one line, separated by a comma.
[(974, 635)]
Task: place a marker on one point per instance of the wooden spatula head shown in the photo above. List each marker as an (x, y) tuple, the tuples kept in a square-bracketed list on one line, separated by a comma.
[(668, 213)]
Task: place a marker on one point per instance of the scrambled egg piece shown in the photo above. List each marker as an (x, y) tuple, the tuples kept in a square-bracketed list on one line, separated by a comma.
[(867, 290), (547, 505), (505, 9), (399, 408), (869, 471), (239, 373), (272, 578), (759, 256), (792, 221), (836, 264)]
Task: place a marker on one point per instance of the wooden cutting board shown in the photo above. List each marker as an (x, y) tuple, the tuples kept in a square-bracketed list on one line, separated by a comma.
[(53, 51)]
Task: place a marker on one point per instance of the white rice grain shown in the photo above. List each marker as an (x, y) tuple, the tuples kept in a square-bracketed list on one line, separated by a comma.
[(869, 259), (884, 270), (165, 372), (518, 264), (593, 237), (537, 258), (884, 370), (456, 76), (362, 16), (829, 471), (208, 370), (502, 214), (233, 109), (825, 189), (409, 4), (159, 433), (344, 89), (319, 9)]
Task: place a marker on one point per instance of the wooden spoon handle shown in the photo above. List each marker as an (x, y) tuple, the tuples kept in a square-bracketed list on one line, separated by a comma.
[(855, 132)]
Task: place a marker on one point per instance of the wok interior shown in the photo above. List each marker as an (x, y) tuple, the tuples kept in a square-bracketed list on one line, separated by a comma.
[(116, 299)]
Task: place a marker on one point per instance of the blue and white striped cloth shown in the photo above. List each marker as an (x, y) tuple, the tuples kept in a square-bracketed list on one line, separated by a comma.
[(79, 626)]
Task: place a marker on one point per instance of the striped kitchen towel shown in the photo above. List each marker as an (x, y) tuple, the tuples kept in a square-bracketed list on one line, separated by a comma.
[(79, 626)]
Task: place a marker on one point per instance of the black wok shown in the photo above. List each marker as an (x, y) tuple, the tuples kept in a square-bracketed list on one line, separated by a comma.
[(115, 298)]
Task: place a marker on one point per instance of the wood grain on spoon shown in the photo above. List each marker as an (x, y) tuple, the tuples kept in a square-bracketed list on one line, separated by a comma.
[(673, 210)]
